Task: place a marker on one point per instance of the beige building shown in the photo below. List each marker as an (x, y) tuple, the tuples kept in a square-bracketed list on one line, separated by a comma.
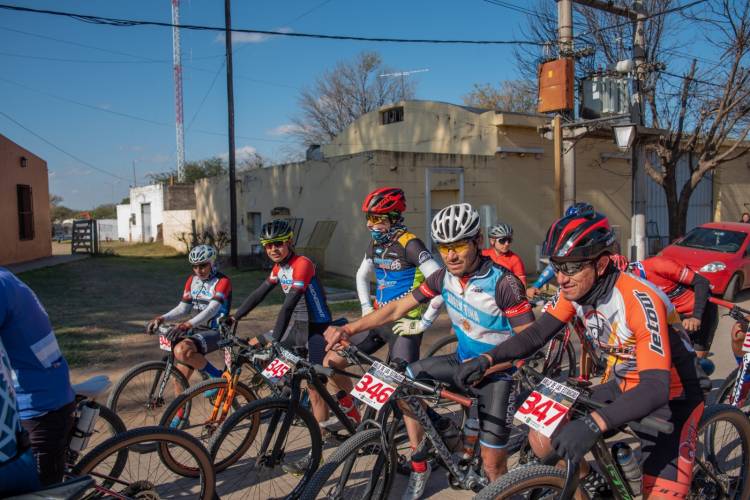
[(26, 229), (440, 154)]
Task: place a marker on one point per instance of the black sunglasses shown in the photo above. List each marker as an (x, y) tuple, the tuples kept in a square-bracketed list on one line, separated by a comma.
[(503, 241), (570, 268)]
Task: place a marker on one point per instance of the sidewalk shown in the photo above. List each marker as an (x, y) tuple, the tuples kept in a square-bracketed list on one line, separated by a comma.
[(53, 260)]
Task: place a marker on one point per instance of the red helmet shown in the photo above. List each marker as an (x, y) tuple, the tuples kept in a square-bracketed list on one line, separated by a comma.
[(579, 237), (385, 201)]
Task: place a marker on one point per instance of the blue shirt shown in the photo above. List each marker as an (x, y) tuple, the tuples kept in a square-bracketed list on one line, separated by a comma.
[(40, 372)]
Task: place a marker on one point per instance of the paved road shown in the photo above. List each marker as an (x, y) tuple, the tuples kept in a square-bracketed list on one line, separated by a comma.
[(438, 486)]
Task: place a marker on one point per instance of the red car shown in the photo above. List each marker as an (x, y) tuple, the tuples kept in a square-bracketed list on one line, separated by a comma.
[(719, 251)]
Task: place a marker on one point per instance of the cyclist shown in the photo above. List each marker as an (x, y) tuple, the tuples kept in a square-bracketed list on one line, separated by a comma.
[(689, 292), (17, 465), (486, 304), (400, 262), (298, 279), (548, 272), (209, 293), (501, 236), (653, 365), (41, 377)]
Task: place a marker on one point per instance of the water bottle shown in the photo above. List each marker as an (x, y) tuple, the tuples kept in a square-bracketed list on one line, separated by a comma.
[(628, 465), (346, 402), (89, 412), (471, 433)]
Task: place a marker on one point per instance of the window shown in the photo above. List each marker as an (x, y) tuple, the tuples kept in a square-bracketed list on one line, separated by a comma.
[(392, 115), (25, 212), (252, 222)]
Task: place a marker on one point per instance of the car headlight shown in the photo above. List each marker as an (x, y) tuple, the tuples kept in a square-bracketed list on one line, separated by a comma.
[(713, 267)]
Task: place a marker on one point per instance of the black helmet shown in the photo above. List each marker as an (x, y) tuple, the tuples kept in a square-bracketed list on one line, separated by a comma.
[(276, 230)]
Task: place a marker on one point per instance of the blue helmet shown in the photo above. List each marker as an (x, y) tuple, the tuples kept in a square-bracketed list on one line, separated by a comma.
[(578, 208)]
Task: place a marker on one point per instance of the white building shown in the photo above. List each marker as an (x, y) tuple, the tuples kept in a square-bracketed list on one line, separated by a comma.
[(142, 220)]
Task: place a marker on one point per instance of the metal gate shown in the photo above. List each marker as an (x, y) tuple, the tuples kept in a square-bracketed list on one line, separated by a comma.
[(146, 222), (700, 210)]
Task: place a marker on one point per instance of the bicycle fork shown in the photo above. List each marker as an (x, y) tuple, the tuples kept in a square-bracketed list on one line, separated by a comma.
[(224, 398), (736, 399)]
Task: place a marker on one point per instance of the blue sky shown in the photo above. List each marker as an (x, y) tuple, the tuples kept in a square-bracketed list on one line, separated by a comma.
[(48, 62)]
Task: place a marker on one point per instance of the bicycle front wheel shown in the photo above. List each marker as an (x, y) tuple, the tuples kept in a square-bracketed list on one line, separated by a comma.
[(531, 481), (146, 474), (722, 455), (193, 412), (443, 345), (282, 457), (359, 469), (140, 396)]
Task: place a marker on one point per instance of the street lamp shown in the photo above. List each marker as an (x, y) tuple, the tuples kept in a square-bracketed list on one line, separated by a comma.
[(624, 135)]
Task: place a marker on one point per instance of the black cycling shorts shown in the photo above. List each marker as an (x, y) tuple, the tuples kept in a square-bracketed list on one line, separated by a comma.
[(666, 459), (205, 341), (302, 334), (404, 347), (704, 337), (495, 395)]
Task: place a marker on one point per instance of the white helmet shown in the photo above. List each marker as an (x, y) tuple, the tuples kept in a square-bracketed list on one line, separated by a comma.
[(202, 254), (499, 231), (454, 223)]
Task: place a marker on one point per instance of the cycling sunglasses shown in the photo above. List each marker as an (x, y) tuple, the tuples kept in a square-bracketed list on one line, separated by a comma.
[(274, 244), (503, 241), (570, 268), (377, 218), (458, 247)]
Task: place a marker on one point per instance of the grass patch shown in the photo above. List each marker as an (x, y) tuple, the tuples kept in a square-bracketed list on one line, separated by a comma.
[(137, 249), (99, 306)]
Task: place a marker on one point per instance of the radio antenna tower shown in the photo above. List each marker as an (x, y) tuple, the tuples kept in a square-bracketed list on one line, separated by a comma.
[(177, 71), (402, 75)]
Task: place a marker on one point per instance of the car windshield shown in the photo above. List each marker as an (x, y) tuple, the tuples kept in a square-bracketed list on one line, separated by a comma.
[(718, 240)]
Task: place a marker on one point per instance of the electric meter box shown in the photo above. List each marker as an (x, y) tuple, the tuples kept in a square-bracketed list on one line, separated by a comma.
[(556, 83)]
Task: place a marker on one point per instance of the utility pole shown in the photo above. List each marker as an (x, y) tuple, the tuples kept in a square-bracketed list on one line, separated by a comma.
[(230, 113), (638, 220), (565, 35), (134, 180), (177, 71)]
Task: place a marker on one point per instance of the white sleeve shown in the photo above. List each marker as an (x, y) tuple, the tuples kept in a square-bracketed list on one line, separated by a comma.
[(182, 309), (428, 267), (207, 314), (363, 282), (433, 311)]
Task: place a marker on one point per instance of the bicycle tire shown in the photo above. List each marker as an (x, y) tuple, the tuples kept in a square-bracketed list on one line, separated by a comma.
[(731, 415), (368, 438), (165, 439), (554, 367), (722, 395), (271, 411), (247, 396), (439, 344), (151, 410), (524, 479)]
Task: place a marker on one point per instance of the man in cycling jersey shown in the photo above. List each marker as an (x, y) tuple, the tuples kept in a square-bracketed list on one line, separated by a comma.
[(501, 237), (486, 304), (298, 279), (41, 378), (689, 292), (400, 262), (208, 293), (652, 365), (548, 272)]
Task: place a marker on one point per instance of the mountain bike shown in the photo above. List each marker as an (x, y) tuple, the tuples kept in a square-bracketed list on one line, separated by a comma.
[(731, 390), (720, 468)]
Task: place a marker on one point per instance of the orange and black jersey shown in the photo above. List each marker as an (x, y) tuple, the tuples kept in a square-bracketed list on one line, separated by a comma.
[(633, 323)]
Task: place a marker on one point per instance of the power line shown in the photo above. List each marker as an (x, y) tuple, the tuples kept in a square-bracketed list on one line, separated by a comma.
[(85, 61), (646, 18), (118, 22), (71, 155)]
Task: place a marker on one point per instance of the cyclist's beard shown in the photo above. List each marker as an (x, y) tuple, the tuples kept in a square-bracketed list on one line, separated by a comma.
[(602, 286)]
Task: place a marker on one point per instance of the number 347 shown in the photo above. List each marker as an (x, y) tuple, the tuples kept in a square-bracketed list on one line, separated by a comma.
[(540, 407)]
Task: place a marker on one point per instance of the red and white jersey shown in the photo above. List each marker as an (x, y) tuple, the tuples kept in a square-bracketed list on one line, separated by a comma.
[(199, 293), (299, 272)]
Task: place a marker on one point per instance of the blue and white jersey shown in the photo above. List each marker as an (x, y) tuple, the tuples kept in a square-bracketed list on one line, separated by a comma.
[(483, 307), (41, 376), (10, 423)]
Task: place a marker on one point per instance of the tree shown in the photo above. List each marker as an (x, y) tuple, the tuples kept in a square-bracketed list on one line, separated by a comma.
[(704, 105), (345, 93), (105, 211), (512, 95), (194, 170), (58, 212)]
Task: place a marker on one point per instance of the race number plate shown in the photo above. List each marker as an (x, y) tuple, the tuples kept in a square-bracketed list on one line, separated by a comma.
[(546, 406), (164, 343), (377, 385), (280, 366)]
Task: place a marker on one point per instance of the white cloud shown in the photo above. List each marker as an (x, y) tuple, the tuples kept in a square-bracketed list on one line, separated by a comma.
[(240, 38), (240, 154), (285, 129)]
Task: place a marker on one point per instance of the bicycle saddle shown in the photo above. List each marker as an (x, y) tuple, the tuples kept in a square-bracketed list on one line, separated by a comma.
[(93, 387), (69, 490)]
